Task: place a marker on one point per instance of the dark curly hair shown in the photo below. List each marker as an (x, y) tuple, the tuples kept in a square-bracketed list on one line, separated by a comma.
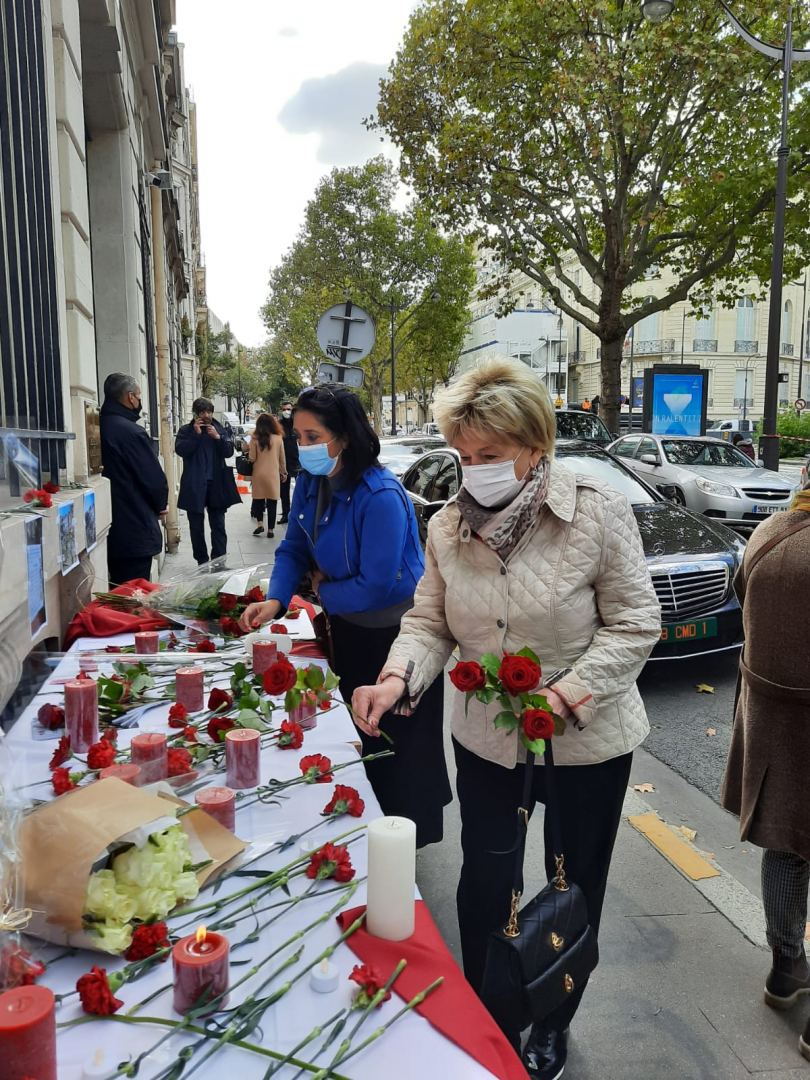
[(341, 412)]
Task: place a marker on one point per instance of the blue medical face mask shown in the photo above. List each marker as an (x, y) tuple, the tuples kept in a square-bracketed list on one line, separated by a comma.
[(316, 459)]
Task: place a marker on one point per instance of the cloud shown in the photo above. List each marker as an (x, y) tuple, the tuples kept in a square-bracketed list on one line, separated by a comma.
[(288, 31), (333, 106)]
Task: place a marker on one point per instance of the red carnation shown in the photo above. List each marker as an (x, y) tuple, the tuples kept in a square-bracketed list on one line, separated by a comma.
[(206, 645), (325, 703), (61, 753), (255, 596), (316, 769), (279, 677), (190, 733), (227, 601), (51, 716), (370, 983), (179, 761), (147, 940), (29, 495), (291, 736), (96, 993), (178, 714), (219, 698), (293, 612), (51, 488), (278, 628), (217, 726), (62, 781), (229, 625), (345, 800), (468, 676), (519, 674), (537, 724), (100, 755), (331, 861), (18, 967)]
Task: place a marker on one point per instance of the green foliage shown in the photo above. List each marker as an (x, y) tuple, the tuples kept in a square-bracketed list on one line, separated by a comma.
[(548, 129), (789, 424), (213, 356), (244, 382)]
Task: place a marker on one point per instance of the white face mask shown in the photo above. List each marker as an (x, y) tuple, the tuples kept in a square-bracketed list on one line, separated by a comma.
[(494, 484), (286, 413)]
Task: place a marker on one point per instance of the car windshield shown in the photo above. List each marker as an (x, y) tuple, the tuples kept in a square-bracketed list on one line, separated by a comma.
[(610, 472), (572, 425), (704, 452)]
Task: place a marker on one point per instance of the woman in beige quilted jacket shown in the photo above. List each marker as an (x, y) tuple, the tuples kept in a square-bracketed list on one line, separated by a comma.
[(528, 554)]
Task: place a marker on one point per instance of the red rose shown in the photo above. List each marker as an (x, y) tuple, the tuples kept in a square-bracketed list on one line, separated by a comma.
[(217, 726), (219, 698), (291, 735), (51, 488), (278, 628), (255, 596), (29, 495), (179, 761), (62, 781), (467, 676), (227, 601), (325, 703), (345, 800), (44, 499), (279, 677), (316, 768), (519, 674), (147, 940), (18, 967), (537, 724), (230, 626), (61, 753), (100, 755), (190, 733), (331, 861), (206, 645), (370, 983), (96, 994), (51, 716), (178, 714)]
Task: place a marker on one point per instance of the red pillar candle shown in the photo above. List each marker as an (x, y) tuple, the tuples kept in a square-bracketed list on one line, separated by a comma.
[(81, 714), (305, 714), (149, 751), (242, 753), (130, 774), (189, 688), (147, 641), (28, 1033), (200, 967), (220, 803), (265, 653)]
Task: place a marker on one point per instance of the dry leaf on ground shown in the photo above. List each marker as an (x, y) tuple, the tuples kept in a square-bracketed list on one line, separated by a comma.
[(711, 731), (704, 688), (643, 788)]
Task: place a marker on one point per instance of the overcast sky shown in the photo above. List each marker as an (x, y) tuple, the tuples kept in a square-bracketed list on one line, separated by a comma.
[(281, 88)]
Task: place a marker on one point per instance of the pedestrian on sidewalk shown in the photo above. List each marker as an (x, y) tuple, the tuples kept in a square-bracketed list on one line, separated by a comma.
[(765, 783), (138, 488), (354, 529), (266, 451), (527, 554), (207, 482), (291, 456)]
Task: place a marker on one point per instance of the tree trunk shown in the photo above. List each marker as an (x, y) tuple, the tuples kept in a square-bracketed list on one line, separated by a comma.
[(611, 372)]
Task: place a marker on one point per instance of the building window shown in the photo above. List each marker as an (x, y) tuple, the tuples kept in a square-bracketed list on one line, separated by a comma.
[(744, 388), (746, 310)]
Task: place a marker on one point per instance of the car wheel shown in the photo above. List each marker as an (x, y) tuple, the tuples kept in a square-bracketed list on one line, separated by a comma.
[(677, 496)]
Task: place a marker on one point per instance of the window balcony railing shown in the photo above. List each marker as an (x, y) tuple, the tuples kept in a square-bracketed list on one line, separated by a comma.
[(739, 402), (704, 344), (649, 346), (578, 355), (787, 348), (746, 346)]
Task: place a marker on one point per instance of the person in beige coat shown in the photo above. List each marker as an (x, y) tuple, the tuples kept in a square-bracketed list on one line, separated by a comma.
[(528, 554), (266, 451)]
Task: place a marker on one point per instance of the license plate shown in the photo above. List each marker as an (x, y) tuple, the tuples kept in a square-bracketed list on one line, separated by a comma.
[(689, 631), (769, 509)]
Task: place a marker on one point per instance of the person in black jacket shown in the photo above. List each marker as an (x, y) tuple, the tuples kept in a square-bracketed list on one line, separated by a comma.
[(138, 488), (291, 456), (208, 482)]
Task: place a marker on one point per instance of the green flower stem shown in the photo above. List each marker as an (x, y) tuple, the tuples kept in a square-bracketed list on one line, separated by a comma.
[(313, 1035), (281, 785), (227, 922)]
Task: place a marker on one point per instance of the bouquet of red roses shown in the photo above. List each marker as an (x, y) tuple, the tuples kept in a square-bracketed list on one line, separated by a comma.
[(513, 680)]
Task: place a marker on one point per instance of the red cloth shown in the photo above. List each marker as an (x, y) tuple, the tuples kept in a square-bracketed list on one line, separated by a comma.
[(99, 620), (454, 1009)]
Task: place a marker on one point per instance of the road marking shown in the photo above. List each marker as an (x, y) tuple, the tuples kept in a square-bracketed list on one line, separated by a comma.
[(680, 854)]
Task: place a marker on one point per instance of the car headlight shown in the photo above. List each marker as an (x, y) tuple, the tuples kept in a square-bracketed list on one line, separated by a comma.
[(709, 487)]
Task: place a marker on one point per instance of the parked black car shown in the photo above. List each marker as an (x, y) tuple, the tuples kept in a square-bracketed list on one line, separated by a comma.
[(582, 427), (692, 559)]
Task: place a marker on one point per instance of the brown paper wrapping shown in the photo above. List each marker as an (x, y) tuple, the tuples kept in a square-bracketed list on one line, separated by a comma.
[(61, 841)]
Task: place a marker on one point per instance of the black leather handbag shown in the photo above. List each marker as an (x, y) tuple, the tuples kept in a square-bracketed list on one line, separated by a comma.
[(244, 466), (546, 951)]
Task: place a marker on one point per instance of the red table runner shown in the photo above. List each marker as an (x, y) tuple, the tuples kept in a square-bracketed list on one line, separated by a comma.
[(100, 620), (454, 1009)]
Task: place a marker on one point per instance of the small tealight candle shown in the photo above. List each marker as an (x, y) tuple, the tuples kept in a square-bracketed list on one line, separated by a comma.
[(308, 845), (147, 641), (220, 803), (324, 977), (149, 751), (305, 714), (99, 1066), (130, 774), (242, 758), (28, 1033), (81, 714), (190, 688), (200, 967), (265, 653)]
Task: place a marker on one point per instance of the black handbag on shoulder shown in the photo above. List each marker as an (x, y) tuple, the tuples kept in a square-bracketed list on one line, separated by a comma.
[(244, 466), (546, 951)]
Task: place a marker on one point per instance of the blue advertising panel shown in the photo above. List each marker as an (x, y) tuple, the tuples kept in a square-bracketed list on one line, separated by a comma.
[(677, 402), (638, 391)]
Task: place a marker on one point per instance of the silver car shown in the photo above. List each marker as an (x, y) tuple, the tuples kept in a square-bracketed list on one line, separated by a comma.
[(707, 475)]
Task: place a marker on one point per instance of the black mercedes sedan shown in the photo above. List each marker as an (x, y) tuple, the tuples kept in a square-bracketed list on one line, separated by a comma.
[(692, 559)]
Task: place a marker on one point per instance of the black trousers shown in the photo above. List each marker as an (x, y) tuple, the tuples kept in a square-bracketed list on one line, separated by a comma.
[(285, 493), (219, 538), (590, 798), (258, 507), (121, 570)]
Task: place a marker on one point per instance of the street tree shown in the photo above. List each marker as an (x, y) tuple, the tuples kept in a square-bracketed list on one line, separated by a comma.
[(577, 134), (214, 355), (245, 382)]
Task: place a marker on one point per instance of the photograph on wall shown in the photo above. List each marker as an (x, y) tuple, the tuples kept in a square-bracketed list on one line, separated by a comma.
[(90, 520), (677, 403), (68, 555), (36, 574)]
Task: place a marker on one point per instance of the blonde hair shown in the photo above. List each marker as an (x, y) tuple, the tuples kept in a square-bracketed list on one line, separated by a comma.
[(500, 396)]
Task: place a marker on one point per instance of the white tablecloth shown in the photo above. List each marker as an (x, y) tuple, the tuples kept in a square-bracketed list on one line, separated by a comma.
[(411, 1049)]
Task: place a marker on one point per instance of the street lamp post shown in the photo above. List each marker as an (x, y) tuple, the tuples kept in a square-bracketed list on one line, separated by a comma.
[(801, 340), (683, 331), (659, 10), (559, 358)]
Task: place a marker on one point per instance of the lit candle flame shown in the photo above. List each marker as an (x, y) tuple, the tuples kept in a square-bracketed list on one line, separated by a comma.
[(202, 934)]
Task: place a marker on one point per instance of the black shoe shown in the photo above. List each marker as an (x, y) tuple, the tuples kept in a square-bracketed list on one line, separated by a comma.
[(283, 519), (804, 1042), (546, 1053), (788, 979), (270, 534), (258, 531)]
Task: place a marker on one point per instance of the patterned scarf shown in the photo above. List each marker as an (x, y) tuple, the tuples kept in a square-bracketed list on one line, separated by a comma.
[(502, 528)]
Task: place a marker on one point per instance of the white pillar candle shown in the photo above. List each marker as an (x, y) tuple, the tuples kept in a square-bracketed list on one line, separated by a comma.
[(391, 878)]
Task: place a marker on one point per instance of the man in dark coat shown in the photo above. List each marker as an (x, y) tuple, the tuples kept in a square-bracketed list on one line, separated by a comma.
[(208, 482), (291, 456), (138, 488)]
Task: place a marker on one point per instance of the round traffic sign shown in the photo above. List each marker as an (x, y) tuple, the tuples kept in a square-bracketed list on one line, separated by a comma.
[(800, 404), (346, 333)]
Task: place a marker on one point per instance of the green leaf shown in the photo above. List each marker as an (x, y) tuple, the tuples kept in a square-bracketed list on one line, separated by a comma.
[(314, 677), (331, 681), (247, 718), (486, 696), (490, 663), (527, 652), (537, 746), (559, 725), (292, 699), (506, 720)]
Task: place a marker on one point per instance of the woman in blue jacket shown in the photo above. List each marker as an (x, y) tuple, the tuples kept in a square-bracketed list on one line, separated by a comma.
[(352, 527)]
